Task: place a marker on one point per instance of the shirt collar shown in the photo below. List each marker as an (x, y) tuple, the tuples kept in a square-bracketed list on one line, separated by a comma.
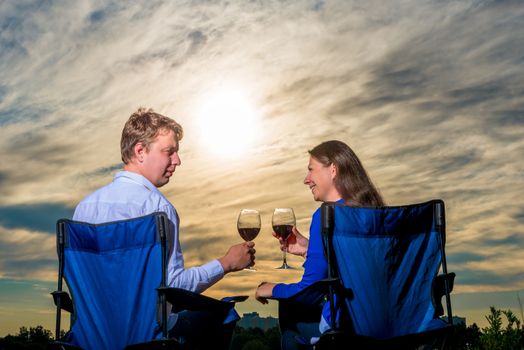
[(135, 177)]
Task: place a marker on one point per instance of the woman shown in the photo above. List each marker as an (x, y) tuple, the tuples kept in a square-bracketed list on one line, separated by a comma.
[(335, 174)]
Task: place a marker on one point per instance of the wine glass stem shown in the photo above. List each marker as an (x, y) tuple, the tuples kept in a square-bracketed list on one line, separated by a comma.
[(284, 261)]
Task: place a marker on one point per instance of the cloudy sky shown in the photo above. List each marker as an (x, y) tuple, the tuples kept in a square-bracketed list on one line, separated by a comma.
[(429, 94)]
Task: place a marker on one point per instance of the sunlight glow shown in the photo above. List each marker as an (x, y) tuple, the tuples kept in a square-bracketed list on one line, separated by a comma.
[(227, 122)]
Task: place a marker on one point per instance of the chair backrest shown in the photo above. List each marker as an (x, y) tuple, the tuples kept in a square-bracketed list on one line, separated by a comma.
[(387, 259), (112, 271)]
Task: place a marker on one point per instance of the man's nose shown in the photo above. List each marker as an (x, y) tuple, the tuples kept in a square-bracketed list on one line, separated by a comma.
[(176, 159)]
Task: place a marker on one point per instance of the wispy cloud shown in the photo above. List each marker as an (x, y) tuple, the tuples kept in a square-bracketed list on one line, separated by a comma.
[(27, 255), (427, 93)]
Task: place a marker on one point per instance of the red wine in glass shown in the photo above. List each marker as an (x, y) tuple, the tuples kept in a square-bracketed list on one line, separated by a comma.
[(248, 234), (283, 222), (248, 225), (283, 231)]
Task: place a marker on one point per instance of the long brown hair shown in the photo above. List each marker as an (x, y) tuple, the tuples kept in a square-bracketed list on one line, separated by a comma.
[(352, 180)]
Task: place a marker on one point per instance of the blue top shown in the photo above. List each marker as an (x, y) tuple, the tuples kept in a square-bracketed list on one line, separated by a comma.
[(315, 266)]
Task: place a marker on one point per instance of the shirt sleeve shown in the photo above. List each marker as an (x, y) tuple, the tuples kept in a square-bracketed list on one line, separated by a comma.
[(315, 266), (196, 279)]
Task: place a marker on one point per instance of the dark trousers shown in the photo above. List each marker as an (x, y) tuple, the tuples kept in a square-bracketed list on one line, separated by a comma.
[(298, 323), (301, 332), (203, 330)]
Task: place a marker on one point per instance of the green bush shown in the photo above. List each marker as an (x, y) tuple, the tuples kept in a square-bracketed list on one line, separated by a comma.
[(498, 337)]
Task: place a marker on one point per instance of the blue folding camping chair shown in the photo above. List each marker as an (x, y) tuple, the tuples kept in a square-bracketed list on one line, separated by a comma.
[(383, 288), (116, 274)]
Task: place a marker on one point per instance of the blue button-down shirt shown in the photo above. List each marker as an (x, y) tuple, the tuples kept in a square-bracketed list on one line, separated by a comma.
[(131, 195)]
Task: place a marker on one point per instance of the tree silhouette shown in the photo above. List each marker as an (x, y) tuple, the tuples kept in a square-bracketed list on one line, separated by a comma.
[(500, 334), (34, 338)]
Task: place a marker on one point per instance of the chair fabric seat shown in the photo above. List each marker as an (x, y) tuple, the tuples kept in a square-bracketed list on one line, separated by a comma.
[(388, 257), (387, 260), (112, 271)]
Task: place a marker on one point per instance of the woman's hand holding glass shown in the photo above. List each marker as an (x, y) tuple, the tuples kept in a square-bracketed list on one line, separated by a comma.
[(283, 222), (295, 244)]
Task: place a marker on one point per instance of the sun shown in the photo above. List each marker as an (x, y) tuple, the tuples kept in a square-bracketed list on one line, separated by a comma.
[(227, 121)]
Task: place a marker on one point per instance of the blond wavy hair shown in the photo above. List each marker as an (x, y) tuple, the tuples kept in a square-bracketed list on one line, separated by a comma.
[(143, 126)]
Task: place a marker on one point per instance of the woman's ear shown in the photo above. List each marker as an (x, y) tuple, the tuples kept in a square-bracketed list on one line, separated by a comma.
[(334, 170)]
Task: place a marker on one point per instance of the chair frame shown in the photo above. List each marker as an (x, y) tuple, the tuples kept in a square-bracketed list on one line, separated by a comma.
[(190, 300), (327, 229), (337, 338)]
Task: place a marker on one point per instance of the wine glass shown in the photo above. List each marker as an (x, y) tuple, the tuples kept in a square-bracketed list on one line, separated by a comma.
[(283, 222), (248, 225)]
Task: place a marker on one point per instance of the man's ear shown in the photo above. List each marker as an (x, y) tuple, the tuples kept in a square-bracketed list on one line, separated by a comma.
[(139, 151)]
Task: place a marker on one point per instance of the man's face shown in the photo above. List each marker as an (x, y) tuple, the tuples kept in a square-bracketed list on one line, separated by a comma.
[(160, 161), (320, 179)]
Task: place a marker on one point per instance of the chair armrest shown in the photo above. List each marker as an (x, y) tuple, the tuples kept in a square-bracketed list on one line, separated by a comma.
[(65, 300), (182, 299), (58, 345), (315, 290), (156, 344), (304, 306), (439, 290), (235, 299)]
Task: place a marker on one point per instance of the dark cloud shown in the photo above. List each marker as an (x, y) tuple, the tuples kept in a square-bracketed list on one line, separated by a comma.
[(97, 16), (3, 178), (154, 55), (16, 268), (318, 5), (3, 92), (457, 258), (455, 163), (197, 40), (195, 238), (42, 150), (101, 15), (477, 277), (519, 217), (402, 152), (476, 94), (185, 49), (18, 29), (515, 240), (21, 114), (434, 77), (108, 170), (28, 289), (482, 300), (39, 217), (11, 45), (391, 84), (27, 140), (508, 117)]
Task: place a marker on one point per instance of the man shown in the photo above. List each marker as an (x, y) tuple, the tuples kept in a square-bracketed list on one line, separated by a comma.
[(149, 149)]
